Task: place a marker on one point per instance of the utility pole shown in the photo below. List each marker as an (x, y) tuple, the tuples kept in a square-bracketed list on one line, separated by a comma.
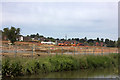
[(66, 36)]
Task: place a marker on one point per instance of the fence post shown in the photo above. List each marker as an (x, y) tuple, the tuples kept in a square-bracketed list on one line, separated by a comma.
[(77, 50), (80, 50), (15, 50), (48, 50), (74, 51), (9, 47), (109, 50), (33, 49), (85, 51), (56, 51), (116, 51), (102, 51), (62, 50), (93, 50)]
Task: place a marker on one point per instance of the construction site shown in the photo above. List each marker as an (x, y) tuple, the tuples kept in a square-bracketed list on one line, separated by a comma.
[(33, 49)]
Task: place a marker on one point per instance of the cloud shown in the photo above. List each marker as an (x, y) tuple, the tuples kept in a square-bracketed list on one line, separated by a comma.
[(60, 0), (61, 17)]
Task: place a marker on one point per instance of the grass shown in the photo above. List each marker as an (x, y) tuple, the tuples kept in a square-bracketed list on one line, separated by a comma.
[(26, 66)]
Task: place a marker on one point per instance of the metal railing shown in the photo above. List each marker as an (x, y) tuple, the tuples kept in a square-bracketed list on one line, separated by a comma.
[(33, 50)]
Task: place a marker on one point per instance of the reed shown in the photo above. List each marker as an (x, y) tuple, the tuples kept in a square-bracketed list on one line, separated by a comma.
[(26, 66)]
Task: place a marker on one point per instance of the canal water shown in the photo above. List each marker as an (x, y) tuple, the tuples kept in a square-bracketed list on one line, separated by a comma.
[(91, 73)]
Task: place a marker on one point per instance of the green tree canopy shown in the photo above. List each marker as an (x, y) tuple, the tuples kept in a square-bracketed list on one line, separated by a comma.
[(12, 34), (98, 40), (102, 40), (118, 42)]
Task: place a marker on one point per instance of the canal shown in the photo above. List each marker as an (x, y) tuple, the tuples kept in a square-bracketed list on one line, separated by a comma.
[(90, 73)]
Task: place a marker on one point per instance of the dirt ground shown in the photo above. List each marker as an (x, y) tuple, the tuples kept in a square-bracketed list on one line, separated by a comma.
[(38, 49)]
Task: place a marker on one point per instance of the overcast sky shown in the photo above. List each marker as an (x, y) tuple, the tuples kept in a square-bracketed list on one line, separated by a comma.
[(78, 19)]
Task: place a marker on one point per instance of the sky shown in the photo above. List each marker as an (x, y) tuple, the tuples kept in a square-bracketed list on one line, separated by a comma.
[(57, 19)]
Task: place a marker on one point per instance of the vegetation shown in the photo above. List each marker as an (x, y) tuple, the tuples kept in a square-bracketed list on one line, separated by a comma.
[(16, 66), (11, 34), (35, 35), (118, 42)]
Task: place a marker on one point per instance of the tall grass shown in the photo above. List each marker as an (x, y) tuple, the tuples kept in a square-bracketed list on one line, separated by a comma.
[(22, 66)]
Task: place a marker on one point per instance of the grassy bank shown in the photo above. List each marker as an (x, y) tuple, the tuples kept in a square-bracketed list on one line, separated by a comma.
[(27, 66)]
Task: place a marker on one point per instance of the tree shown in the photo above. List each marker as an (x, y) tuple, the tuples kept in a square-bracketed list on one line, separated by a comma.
[(82, 40), (51, 39), (73, 39), (32, 35), (62, 39), (77, 39), (111, 44), (98, 40), (85, 38), (6, 31), (106, 41), (102, 39), (12, 34), (57, 39), (17, 32), (90, 41), (69, 39), (37, 35), (27, 35), (118, 42)]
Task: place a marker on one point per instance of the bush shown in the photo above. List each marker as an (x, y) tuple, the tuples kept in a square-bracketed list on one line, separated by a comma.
[(11, 68), (18, 66), (61, 63), (99, 61), (83, 63)]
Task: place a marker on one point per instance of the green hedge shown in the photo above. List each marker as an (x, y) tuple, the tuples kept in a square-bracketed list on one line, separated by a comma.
[(17, 66)]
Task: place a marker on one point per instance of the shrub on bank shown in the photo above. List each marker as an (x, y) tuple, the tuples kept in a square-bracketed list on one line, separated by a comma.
[(18, 66), (11, 68)]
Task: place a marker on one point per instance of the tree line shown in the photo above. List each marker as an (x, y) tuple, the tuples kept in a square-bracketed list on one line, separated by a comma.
[(13, 33), (91, 42)]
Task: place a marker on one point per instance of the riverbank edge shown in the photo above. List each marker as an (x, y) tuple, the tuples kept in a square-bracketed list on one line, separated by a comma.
[(13, 67)]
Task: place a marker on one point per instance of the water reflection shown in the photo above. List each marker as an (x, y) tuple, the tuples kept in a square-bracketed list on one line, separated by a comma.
[(91, 73)]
